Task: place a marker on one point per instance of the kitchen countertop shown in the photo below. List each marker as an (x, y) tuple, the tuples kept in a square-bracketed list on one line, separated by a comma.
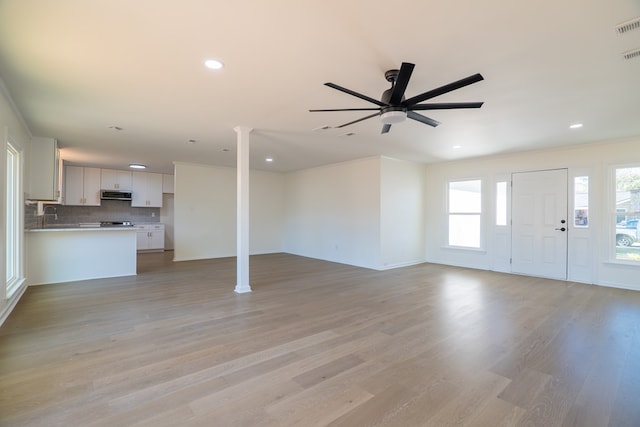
[(76, 227)]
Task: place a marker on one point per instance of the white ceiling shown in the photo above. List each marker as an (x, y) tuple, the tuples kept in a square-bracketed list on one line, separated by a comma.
[(76, 67)]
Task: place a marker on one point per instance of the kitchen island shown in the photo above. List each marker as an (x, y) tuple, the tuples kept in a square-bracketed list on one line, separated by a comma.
[(64, 254)]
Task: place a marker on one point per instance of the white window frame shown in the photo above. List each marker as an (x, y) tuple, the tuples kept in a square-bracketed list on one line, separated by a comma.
[(479, 215), (614, 213), (13, 215)]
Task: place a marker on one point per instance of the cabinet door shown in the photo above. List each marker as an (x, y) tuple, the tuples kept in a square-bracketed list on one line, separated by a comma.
[(147, 190), (91, 187), (124, 180), (142, 240), (74, 186), (139, 190), (112, 179), (167, 183), (108, 179), (154, 189), (156, 238), (43, 162)]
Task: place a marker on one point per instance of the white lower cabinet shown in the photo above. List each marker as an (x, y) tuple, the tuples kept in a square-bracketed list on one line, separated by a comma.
[(150, 237)]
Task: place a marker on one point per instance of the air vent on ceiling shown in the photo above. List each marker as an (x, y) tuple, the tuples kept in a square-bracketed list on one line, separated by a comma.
[(625, 27), (634, 53)]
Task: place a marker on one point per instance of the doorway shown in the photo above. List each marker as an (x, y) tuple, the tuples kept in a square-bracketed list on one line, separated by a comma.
[(539, 224)]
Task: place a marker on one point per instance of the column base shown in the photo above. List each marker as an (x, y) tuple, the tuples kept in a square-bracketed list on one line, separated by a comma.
[(242, 289)]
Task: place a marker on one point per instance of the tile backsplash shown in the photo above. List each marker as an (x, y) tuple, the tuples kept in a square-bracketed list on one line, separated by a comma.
[(110, 210)]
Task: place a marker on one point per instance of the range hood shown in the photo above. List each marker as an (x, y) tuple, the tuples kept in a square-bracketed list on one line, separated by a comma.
[(115, 195)]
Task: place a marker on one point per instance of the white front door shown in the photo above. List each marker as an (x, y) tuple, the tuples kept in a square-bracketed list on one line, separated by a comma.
[(539, 224)]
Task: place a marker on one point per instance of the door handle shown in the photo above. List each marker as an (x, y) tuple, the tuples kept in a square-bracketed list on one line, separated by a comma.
[(561, 229)]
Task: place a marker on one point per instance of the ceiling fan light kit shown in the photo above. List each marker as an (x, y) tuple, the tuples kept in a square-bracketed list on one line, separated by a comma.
[(394, 108), (392, 117)]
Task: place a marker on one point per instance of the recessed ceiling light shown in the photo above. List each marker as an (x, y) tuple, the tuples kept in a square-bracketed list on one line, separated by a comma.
[(213, 64), (269, 159), (456, 147), (137, 166), (575, 126)]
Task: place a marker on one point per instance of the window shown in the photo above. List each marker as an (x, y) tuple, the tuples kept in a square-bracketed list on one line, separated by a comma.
[(627, 201), (465, 208), (13, 216), (581, 201)]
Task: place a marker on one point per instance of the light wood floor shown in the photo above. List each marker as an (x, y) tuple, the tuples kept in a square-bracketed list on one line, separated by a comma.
[(319, 343)]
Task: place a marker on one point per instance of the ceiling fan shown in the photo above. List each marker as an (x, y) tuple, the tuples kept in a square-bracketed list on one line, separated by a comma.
[(394, 108)]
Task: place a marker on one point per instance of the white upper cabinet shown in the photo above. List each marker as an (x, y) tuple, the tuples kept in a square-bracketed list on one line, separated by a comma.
[(112, 179), (147, 190), (82, 186), (167, 183), (45, 173)]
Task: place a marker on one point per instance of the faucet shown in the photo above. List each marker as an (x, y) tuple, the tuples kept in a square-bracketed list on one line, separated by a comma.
[(45, 213)]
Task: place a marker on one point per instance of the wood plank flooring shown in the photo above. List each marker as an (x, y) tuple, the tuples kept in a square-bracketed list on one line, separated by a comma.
[(319, 343)]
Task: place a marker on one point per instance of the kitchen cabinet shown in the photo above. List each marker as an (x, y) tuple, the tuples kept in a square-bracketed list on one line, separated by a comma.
[(82, 186), (146, 190), (167, 183), (111, 179), (150, 237), (45, 170)]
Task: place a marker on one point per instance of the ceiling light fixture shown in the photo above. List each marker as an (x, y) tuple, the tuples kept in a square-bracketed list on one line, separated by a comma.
[(269, 159), (137, 166), (391, 116), (457, 147), (213, 64), (575, 126)]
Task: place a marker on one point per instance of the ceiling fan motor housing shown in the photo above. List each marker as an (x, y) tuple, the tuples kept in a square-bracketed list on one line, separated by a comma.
[(394, 108)]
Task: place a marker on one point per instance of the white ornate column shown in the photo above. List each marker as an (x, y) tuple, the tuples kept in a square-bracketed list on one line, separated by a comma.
[(242, 280)]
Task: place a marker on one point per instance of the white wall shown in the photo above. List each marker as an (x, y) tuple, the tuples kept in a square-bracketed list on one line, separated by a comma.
[(205, 212), (333, 213), (590, 252), (367, 212), (402, 213)]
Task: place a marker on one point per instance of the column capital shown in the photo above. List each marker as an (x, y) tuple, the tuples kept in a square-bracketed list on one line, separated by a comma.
[(243, 129)]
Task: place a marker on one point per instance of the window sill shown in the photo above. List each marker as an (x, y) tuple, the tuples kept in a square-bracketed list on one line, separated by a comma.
[(623, 262), (463, 249)]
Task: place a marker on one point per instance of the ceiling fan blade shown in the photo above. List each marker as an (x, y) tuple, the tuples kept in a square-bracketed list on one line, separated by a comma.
[(445, 106), (347, 109), (386, 128), (443, 89), (401, 82), (422, 119), (356, 94), (359, 120)]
